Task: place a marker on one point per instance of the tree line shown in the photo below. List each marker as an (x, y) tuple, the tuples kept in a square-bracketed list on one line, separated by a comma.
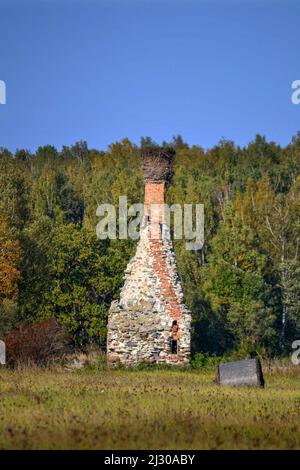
[(243, 286)]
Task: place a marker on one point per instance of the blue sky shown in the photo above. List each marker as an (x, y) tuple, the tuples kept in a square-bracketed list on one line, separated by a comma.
[(104, 70)]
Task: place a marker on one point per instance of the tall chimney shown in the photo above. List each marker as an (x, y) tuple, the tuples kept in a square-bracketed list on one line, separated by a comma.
[(157, 166), (140, 323)]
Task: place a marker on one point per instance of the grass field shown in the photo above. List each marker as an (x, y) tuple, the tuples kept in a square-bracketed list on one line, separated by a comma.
[(47, 409)]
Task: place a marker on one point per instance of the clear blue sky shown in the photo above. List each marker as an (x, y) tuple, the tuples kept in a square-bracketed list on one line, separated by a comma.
[(107, 69)]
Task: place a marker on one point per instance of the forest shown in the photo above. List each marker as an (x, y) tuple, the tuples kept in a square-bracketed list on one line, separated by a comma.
[(243, 286)]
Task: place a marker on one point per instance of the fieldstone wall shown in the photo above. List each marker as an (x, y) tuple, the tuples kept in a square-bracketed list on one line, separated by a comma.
[(139, 324)]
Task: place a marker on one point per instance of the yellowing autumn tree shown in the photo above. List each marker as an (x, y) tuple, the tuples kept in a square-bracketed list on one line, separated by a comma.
[(10, 253)]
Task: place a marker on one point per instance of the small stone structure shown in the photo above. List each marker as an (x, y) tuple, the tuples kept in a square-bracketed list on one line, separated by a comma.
[(139, 323)]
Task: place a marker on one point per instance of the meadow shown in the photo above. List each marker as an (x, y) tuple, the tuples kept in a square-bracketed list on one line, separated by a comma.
[(145, 409)]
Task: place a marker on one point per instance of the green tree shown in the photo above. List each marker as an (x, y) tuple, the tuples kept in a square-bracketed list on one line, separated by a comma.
[(86, 275), (237, 285)]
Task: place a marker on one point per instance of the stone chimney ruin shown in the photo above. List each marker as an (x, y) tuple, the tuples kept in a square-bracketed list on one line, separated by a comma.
[(140, 322)]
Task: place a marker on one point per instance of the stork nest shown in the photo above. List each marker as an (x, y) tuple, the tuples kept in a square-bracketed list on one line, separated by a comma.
[(157, 164)]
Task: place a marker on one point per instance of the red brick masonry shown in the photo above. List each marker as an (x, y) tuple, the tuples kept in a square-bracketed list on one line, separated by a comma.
[(160, 267), (154, 193)]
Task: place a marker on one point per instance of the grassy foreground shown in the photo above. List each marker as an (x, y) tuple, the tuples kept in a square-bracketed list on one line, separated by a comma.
[(47, 409)]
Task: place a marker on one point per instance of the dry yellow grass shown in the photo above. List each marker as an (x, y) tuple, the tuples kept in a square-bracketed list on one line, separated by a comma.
[(47, 409)]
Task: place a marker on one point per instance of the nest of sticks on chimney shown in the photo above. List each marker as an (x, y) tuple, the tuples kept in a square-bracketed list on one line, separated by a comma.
[(157, 163)]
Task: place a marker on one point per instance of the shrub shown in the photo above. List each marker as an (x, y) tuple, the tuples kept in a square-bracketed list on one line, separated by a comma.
[(39, 343)]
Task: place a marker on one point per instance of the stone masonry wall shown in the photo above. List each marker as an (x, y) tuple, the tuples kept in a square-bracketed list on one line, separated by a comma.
[(139, 324)]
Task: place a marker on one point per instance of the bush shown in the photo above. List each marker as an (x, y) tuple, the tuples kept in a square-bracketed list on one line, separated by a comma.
[(204, 361), (39, 344)]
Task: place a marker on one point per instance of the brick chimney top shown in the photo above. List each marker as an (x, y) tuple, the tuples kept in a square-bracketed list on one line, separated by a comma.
[(157, 164)]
